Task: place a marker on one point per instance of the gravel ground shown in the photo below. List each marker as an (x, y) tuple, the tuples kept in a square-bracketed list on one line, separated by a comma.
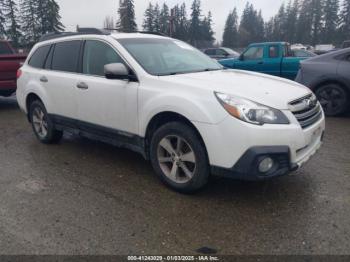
[(84, 197)]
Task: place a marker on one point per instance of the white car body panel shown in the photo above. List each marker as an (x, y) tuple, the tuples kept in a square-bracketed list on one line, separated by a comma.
[(130, 106)]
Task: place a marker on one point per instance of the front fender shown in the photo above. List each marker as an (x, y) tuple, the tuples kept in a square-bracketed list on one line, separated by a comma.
[(209, 111)]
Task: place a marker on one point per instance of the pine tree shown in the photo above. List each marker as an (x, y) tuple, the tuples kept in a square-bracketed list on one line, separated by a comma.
[(251, 27), (195, 23), (126, 14), (180, 23), (345, 21), (164, 20), (290, 28), (2, 21), (331, 10), (148, 22), (206, 30), (317, 16), (230, 37), (12, 26), (305, 22), (54, 17), (108, 23), (156, 15), (30, 21)]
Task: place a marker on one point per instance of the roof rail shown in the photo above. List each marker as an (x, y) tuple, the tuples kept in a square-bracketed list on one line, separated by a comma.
[(141, 32), (80, 31)]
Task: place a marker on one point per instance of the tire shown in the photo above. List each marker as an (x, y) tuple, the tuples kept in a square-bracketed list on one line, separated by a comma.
[(184, 168), (42, 125), (333, 98)]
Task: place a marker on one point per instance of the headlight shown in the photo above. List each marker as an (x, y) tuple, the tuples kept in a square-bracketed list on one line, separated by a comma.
[(250, 111)]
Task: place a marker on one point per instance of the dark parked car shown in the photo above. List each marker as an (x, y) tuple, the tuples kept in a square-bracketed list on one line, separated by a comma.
[(221, 53), (302, 53), (329, 77), (346, 44)]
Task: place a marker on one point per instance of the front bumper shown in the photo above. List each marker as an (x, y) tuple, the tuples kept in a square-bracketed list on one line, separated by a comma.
[(235, 147)]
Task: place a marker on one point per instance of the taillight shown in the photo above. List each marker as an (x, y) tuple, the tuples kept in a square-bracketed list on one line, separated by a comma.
[(19, 73)]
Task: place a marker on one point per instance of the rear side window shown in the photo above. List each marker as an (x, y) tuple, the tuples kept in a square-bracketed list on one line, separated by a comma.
[(5, 49), (66, 56), (96, 55), (273, 51), (38, 58)]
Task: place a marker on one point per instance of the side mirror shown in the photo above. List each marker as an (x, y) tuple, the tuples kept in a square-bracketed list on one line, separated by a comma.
[(241, 57), (116, 71)]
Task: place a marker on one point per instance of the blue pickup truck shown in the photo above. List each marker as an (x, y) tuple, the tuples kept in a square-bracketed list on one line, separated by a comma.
[(269, 58)]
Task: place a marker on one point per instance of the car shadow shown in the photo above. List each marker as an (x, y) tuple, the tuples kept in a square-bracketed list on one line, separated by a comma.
[(8, 103)]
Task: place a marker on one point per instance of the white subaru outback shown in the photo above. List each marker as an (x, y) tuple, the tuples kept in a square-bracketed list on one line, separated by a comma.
[(166, 100)]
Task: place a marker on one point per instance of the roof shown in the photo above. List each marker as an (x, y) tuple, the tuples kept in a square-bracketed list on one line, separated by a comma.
[(270, 43)]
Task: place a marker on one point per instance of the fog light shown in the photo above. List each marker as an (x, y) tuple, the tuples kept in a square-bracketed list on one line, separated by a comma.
[(266, 165)]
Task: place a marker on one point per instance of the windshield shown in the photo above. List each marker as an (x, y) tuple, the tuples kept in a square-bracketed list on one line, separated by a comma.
[(168, 57)]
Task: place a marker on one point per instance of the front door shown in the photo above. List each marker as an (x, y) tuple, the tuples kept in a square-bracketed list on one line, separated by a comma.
[(104, 103), (252, 59)]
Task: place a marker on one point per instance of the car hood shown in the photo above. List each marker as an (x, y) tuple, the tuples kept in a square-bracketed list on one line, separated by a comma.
[(265, 89)]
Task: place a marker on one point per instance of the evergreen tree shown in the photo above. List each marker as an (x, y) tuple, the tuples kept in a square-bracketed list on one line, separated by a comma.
[(2, 21), (251, 27), (317, 18), (148, 22), (156, 15), (181, 24), (260, 28), (108, 23), (331, 10), (126, 13), (345, 21), (12, 27), (30, 21), (164, 20), (207, 33), (305, 22), (195, 23), (230, 37), (290, 26), (49, 16)]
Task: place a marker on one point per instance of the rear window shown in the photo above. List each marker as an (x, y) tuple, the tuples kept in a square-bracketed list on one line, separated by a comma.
[(66, 56), (5, 49), (273, 51), (38, 58)]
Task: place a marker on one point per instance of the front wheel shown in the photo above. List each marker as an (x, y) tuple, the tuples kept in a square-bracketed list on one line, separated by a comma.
[(179, 158), (42, 125), (333, 98)]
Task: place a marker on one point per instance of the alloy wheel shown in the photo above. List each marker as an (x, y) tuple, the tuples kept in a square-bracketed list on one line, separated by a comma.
[(40, 122), (177, 159)]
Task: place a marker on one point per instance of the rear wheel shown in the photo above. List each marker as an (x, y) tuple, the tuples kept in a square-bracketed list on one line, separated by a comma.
[(333, 98), (42, 125), (179, 158)]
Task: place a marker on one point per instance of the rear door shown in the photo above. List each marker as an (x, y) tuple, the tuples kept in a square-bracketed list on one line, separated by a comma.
[(290, 65), (59, 79), (272, 60)]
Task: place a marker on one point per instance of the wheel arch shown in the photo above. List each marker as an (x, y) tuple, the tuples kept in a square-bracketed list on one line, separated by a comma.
[(30, 98), (163, 118)]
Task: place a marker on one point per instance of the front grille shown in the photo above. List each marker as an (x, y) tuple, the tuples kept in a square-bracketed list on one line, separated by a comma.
[(307, 110)]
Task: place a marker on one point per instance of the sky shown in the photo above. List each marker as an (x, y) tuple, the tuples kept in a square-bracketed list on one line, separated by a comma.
[(91, 13)]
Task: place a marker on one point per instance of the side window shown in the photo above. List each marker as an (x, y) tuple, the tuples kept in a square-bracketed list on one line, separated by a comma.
[(254, 53), (96, 55), (66, 56), (210, 52), (220, 52), (5, 49), (38, 58), (273, 51), (48, 62)]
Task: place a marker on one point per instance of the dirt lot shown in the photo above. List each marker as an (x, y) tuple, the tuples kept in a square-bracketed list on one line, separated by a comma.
[(84, 197)]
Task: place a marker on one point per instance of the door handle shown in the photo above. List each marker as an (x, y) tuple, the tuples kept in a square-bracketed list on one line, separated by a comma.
[(82, 85), (260, 63), (44, 79)]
